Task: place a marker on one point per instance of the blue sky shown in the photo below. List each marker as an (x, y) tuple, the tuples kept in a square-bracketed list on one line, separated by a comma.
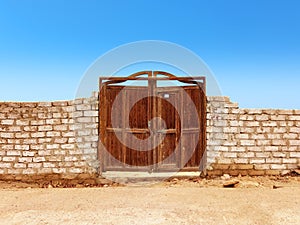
[(252, 46)]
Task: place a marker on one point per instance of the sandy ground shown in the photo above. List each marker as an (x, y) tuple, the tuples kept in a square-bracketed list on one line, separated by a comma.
[(201, 201)]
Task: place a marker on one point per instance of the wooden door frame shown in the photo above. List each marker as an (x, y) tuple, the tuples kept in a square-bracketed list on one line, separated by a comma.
[(152, 77)]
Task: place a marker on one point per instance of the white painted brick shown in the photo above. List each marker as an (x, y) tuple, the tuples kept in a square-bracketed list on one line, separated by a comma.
[(294, 117), (38, 134), (5, 165), (263, 117), (22, 135), (257, 161), (14, 129), (39, 159), (274, 160), (280, 130), (61, 127), (269, 123), (68, 146), (6, 147), (19, 165), (294, 142), (9, 159), (36, 147), (90, 113), (7, 135), (24, 160), (295, 154), (241, 161), (28, 153), (295, 130), (271, 148), (67, 134), (278, 166), (7, 122), (84, 120), (48, 165), (22, 147), (263, 142), (34, 165), (279, 154), (83, 107), (29, 141), (225, 154), (247, 142), (290, 160), (13, 153), (278, 117), (290, 136), (59, 170), (52, 146), (75, 170), (45, 128), (262, 154), (246, 155)]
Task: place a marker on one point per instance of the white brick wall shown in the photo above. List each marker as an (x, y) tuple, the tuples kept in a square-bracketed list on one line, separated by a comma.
[(268, 139)]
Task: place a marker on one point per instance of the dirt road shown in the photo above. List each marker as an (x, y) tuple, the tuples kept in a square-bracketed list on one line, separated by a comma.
[(161, 204)]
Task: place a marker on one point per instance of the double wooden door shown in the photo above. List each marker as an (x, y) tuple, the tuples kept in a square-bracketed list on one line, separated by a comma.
[(151, 128)]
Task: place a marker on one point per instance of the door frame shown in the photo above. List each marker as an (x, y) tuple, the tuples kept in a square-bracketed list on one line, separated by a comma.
[(152, 77)]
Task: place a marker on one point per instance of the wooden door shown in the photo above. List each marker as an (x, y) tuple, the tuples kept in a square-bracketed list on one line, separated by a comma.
[(133, 138)]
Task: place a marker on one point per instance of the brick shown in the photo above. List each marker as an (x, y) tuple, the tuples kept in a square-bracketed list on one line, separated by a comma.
[(295, 130), (291, 160), (262, 166), (241, 160), (225, 154), (53, 121), (279, 154), (294, 117), (8, 159), (7, 122), (91, 113), (7, 135), (22, 135), (14, 129), (84, 120), (13, 153), (22, 147), (290, 136), (5, 165), (83, 107), (75, 170), (37, 122), (6, 147), (59, 170), (269, 124), (278, 117), (48, 165), (28, 153), (36, 147), (295, 154), (38, 134), (294, 142), (247, 142), (273, 172), (274, 160), (68, 146), (278, 166), (19, 165), (256, 172), (53, 134), (262, 154), (52, 146), (24, 160), (263, 117), (246, 155), (279, 142), (39, 159), (257, 161), (61, 127), (45, 128), (34, 165)]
